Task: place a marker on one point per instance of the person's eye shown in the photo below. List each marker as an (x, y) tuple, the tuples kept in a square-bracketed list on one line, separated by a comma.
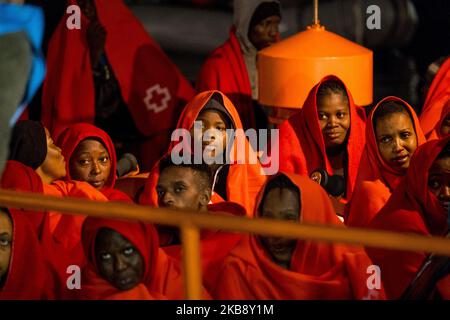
[(105, 256), (128, 251), (405, 135), (160, 192), (179, 189), (385, 139), (221, 128), (5, 242), (104, 159), (322, 116), (340, 115), (83, 162), (434, 184)]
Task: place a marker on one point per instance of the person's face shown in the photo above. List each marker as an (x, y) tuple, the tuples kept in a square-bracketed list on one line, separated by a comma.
[(396, 139), (6, 236), (439, 181), (118, 260), (90, 162), (88, 9), (280, 204), (265, 33), (54, 165), (445, 126), (334, 119), (179, 189), (213, 135)]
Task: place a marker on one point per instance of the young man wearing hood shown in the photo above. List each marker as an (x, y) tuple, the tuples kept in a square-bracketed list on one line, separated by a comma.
[(231, 68)]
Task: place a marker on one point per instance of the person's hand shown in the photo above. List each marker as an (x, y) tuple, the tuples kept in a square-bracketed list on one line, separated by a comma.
[(96, 38)]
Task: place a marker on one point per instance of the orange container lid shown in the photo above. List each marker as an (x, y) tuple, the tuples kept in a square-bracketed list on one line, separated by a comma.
[(290, 68)]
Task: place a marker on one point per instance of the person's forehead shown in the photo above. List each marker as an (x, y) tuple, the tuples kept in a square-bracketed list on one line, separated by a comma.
[(333, 101), (395, 121), (281, 199), (441, 165), (5, 222), (111, 239), (177, 173), (90, 145), (211, 115)]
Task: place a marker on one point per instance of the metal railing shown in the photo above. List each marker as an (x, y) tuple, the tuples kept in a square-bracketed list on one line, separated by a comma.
[(190, 225)]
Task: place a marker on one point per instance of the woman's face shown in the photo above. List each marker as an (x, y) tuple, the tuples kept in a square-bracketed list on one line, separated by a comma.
[(6, 236), (118, 260), (54, 165), (213, 133), (90, 162), (396, 139), (334, 118), (439, 181), (280, 204)]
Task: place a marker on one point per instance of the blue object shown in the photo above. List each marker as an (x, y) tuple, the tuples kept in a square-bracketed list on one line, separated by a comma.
[(29, 19)]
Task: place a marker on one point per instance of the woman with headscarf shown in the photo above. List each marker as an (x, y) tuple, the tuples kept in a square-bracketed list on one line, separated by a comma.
[(419, 205), (231, 68), (393, 134), (24, 272), (327, 134), (437, 96), (132, 91), (32, 145), (281, 268), (91, 157), (204, 127), (125, 262)]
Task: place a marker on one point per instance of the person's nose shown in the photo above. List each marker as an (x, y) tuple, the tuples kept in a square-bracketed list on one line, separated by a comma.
[(168, 199), (444, 193), (332, 122), (119, 264), (273, 30), (95, 170), (397, 145)]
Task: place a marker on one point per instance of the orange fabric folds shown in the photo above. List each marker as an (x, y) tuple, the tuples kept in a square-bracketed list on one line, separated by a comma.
[(317, 271)]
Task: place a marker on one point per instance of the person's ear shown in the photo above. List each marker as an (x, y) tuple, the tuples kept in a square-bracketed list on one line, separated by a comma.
[(205, 197)]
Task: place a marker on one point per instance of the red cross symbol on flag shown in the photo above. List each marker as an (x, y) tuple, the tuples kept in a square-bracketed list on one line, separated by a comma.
[(157, 98)]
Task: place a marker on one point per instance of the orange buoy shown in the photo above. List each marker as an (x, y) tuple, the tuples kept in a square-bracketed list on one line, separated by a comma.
[(290, 68)]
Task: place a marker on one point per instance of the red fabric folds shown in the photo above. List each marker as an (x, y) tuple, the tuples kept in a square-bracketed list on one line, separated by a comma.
[(438, 95), (151, 85), (411, 208), (29, 275), (318, 270)]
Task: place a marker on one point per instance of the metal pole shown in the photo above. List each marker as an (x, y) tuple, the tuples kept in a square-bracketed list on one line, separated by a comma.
[(192, 273)]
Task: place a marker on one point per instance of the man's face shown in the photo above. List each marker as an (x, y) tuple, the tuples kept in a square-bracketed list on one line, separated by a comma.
[(265, 33), (178, 188)]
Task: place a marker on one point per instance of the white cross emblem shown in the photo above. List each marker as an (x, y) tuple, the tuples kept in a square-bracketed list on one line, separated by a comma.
[(151, 93)]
